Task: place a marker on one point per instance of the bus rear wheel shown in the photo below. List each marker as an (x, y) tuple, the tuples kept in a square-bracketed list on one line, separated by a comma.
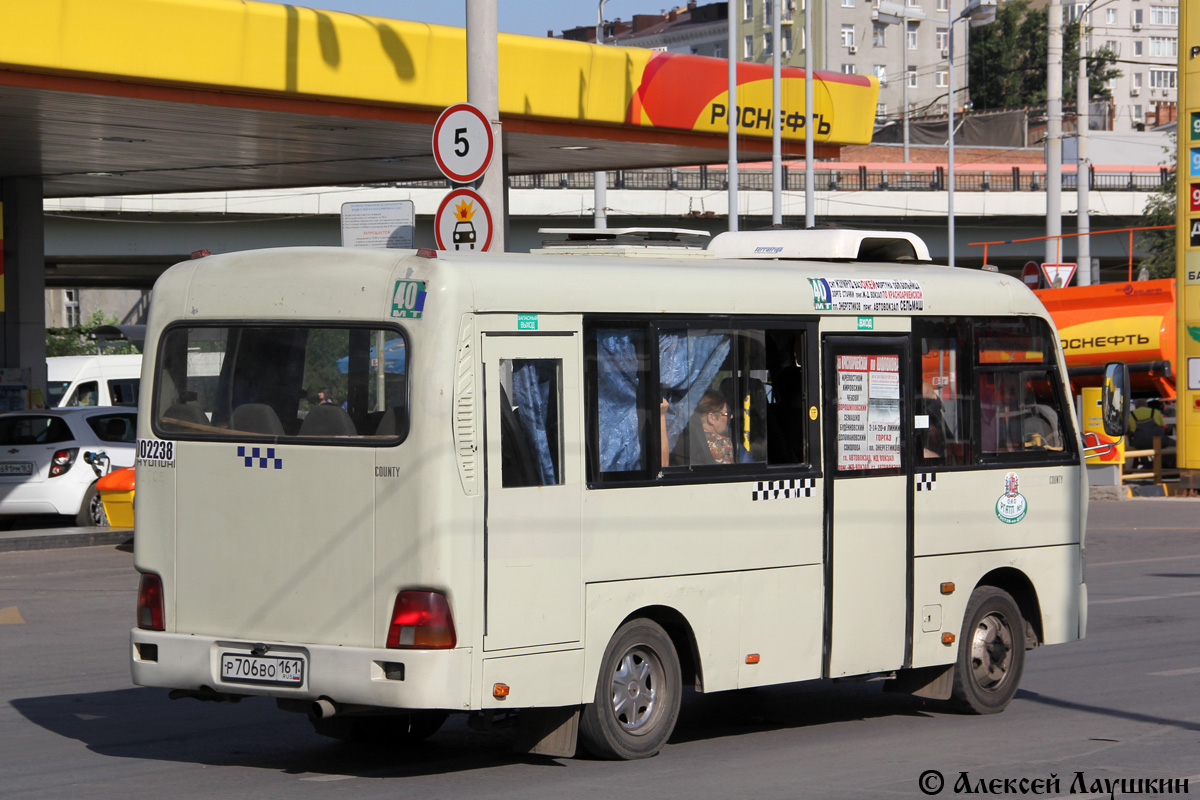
[(991, 653), (637, 694)]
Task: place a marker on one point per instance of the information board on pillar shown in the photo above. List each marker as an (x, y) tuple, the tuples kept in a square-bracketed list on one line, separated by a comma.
[(868, 412)]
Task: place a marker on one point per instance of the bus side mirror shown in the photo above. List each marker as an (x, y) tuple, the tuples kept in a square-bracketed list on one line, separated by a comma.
[(1114, 402)]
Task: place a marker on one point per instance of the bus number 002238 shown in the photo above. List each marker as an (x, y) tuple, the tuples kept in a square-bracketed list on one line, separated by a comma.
[(156, 450)]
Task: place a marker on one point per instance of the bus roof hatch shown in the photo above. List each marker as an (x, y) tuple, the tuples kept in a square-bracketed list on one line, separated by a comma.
[(824, 244)]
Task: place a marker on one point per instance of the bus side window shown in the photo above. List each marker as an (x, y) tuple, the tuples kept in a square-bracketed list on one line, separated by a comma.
[(942, 417), (530, 435)]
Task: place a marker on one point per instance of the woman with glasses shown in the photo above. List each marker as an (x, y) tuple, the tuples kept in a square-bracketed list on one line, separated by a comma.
[(714, 416)]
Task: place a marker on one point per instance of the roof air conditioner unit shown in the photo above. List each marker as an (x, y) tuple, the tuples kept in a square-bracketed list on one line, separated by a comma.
[(853, 50)]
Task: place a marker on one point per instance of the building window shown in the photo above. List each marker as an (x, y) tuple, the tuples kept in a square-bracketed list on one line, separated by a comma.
[(1164, 47), (1072, 12), (849, 69), (941, 39), (943, 5), (1137, 47), (879, 35), (914, 3), (786, 41), (911, 35), (1138, 114), (1162, 79), (749, 48), (1164, 15), (768, 12), (768, 44), (881, 73), (749, 12), (943, 79), (719, 51), (847, 36), (847, 3), (912, 77), (1137, 80), (1110, 16), (1112, 46), (71, 308), (1137, 16), (881, 109)]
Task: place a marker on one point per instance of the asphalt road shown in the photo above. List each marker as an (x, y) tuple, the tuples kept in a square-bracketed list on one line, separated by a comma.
[(1122, 704)]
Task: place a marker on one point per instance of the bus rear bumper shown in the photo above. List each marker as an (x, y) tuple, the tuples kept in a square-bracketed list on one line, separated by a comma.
[(346, 675)]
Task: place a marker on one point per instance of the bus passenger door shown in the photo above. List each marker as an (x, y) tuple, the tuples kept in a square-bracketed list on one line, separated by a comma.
[(868, 518), (533, 462)]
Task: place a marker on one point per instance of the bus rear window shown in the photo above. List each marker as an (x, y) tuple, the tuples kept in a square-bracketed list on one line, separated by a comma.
[(324, 384)]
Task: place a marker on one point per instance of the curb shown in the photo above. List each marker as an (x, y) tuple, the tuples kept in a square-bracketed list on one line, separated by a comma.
[(76, 537)]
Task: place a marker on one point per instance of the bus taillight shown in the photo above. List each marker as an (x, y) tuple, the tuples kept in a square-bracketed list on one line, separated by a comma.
[(421, 620), (150, 603)]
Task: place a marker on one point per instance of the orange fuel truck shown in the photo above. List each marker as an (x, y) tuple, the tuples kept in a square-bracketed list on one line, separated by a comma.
[(1131, 322)]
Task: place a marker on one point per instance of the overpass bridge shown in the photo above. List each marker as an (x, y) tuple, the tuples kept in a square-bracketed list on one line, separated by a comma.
[(129, 240)]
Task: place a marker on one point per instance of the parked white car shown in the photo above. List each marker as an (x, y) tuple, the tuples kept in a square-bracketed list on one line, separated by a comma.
[(45, 455)]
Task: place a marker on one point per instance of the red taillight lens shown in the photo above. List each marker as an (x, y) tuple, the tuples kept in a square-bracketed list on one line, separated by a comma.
[(150, 603), (421, 621), (62, 461)]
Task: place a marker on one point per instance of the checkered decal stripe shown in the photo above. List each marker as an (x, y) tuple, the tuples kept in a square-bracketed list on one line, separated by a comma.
[(781, 490), (256, 457), (926, 481)]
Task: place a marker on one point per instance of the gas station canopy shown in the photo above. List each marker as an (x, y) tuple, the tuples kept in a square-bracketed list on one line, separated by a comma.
[(148, 96)]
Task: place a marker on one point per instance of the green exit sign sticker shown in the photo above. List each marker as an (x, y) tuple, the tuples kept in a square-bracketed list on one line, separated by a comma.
[(527, 322), (866, 323)]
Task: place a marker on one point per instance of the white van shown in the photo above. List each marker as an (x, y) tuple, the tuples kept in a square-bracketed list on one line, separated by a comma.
[(93, 380)]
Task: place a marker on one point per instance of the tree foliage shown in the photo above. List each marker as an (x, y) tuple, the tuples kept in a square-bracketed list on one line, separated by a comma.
[(1007, 60), (76, 341), (1160, 210)]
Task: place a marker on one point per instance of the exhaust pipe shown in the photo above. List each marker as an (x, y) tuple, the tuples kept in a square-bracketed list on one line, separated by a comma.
[(324, 708)]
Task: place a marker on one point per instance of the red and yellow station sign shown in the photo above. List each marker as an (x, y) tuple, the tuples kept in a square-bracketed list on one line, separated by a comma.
[(278, 49), (1187, 240)]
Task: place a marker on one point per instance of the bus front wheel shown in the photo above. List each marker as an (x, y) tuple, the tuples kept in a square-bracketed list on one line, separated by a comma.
[(637, 694), (991, 653)]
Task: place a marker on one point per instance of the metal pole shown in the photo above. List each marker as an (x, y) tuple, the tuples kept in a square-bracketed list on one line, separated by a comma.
[(1054, 129), (904, 77), (776, 121), (732, 116), (950, 138), (810, 188), (600, 178), (1082, 172), (483, 92)]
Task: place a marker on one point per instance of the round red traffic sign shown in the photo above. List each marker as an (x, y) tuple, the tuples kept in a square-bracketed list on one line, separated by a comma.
[(462, 143), (463, 223), (1031, 274)]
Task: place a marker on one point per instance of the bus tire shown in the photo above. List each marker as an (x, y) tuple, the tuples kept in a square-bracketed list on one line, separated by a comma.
[(91, 510), (637, 694), (991, 653)]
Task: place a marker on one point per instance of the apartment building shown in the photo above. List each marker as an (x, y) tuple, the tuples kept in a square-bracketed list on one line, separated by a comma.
[(694, 29), (1145, 36)]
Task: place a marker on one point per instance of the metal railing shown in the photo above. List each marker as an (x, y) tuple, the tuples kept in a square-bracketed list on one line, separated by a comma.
[(851, 178)]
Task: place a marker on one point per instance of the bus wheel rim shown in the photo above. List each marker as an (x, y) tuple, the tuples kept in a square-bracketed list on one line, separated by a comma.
[(635, 690), (991, 652)]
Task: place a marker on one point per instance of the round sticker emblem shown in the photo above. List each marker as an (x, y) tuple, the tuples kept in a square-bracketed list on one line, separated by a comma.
[(1011, 506), (812, 412)]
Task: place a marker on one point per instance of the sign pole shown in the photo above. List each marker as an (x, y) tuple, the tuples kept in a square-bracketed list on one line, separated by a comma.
[(483, 92)]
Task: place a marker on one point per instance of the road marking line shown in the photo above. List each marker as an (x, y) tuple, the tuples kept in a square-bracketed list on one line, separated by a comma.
[(1173, 672), (1141, 598), (10, 616), (1138, 561)]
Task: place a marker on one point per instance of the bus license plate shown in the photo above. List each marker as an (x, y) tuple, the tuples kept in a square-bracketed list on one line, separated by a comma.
[(16, 468), (273, 670)]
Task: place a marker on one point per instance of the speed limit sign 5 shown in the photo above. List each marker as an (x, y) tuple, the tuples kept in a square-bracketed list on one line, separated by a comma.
[(462, 143)]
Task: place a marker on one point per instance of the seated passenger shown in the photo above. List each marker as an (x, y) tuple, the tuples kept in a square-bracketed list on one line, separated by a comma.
[(712, 413)]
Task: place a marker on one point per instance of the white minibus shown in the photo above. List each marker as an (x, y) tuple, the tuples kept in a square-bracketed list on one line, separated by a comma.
[(93, 380), (383, 486)]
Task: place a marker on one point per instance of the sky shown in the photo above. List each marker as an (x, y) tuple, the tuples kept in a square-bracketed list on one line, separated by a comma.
[(530, 17)]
